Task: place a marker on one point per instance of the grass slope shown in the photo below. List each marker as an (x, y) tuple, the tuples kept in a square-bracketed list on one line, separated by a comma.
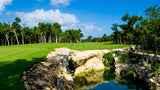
[(15, 59)]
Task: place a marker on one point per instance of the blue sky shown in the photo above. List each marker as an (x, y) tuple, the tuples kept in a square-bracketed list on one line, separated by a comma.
[(94, 17)]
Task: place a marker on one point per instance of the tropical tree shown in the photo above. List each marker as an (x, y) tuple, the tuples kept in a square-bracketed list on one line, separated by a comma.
[(57, 31), (129, 28), (14, 29), (153, 14), (117, 34), (6, 30), (89, 38), (28, 35)]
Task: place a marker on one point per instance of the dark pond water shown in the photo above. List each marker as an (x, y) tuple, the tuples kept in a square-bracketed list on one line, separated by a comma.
[(106, 80)]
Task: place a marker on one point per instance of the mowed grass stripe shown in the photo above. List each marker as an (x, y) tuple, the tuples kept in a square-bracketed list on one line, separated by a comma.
[(10, 52), (17, 54)]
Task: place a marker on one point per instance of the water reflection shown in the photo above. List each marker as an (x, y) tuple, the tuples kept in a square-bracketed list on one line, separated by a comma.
[(88, 80), (108, 75), (105, 80)]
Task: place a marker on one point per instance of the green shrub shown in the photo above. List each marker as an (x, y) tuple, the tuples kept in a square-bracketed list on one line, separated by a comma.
[(108, 59), (123, 58), (155, 66), (134, 58), (128, 73), (130, 57), (117, 53)]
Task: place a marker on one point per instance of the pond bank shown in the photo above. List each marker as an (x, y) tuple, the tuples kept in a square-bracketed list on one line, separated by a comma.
[(105, 80)]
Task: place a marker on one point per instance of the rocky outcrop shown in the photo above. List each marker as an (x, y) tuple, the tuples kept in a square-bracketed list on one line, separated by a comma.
[(91, 64), (84, 61), (52, 74), (142, 71)]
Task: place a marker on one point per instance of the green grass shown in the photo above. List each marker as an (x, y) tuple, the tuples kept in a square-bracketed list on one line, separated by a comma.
[(15, 59)]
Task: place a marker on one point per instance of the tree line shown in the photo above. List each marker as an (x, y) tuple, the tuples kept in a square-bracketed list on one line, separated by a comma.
[(144, 32), (104, 38), (15, 33)]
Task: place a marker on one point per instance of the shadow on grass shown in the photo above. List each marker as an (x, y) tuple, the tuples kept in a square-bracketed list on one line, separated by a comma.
[(10, 73)]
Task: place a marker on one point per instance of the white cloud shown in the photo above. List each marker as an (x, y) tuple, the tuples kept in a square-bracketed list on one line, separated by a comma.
[(88, 27), (92, 27), (59, 3), (8, 13), (3, 3), (33, 18)]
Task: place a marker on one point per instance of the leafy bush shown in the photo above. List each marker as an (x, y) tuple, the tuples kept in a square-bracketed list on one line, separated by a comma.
[(117, 53), (155, 66), (134, 58), (130, 57), (123, 58), (128, 73), (108, 60)]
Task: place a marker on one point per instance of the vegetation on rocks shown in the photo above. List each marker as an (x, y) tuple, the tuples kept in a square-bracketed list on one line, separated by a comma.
[(108, 59), (128, 73), (156, 67), (117, 53), (130, 57), (134, 66)]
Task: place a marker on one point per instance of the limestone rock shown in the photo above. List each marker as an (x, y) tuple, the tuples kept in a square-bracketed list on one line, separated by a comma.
[(116, 58), (119, 68), (80, 57), (93, 63), (51, 74), (63, 50)]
